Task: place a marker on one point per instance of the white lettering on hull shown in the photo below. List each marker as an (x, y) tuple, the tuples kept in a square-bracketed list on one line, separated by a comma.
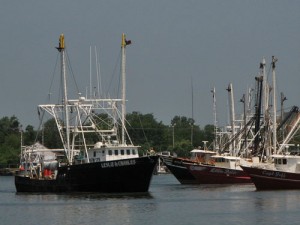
[(215, 170), (273, 174), (118, 163)]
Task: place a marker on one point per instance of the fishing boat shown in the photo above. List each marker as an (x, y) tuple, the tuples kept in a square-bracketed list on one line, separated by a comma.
[(224, 166), (224, 170), (279, 168), (179, 166), (282, 173), (97, 154)]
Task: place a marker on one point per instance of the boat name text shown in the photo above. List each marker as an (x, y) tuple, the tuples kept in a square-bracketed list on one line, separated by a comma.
[(118, 163), (215, 170), (273, 174)]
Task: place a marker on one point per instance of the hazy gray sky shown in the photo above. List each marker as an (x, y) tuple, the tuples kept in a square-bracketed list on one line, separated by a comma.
[(174, 42)]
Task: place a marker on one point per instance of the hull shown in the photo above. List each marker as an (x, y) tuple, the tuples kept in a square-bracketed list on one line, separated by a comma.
[(264, 179), (178, 167), (128, 175), (206, 174)]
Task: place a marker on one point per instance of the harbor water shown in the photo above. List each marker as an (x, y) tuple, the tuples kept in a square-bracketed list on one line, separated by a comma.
[(168, 203)]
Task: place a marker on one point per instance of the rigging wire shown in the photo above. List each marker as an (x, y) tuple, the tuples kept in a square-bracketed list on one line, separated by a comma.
[(113, 75), (71, 70), (52, 79)]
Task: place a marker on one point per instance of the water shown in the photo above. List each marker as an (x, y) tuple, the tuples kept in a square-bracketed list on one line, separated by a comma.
[(168, 203)]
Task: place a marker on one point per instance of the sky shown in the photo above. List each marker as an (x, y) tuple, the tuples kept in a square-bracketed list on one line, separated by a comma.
[(180, 49)]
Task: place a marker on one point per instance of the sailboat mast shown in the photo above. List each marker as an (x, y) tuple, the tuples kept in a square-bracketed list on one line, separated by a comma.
[(61, 49)]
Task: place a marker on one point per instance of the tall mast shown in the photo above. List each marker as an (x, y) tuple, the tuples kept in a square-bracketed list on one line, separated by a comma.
[(264, 84), (216, 142), (123, 71), (232, 115), (192, 124), (274, 60), (259, 83), (61, 49)]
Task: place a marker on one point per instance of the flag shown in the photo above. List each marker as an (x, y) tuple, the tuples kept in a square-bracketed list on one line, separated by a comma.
[(127, 42)]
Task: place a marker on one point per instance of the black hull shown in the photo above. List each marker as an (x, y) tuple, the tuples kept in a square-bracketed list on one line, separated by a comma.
[(264, 179), (178, 167), (128, 175)]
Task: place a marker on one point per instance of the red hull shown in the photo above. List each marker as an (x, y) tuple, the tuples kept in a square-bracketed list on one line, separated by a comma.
[(206, 174), (273, 180)]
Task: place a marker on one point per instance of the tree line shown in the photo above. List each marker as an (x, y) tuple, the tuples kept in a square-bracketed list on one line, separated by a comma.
[(180, 137)]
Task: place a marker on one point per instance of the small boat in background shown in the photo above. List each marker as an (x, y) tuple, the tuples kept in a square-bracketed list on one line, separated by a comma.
[(7, 171), (224, 170), (161, 168), (179, 166)]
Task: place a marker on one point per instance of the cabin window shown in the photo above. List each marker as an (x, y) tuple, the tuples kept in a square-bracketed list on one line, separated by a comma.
[(116, 152), (103, 152), (95, 153), (122, 151), (127, 151), (133, 151), (109, 152), (281, 161), (219, 160)]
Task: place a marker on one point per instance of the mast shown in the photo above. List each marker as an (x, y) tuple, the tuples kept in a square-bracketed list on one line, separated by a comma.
[(61, 49), (123, 72), (274, 60), (243, 100), (282, 99), (91, 90), (259, 81), (192, 124), (232, 115), (264, 84), (216, 142)]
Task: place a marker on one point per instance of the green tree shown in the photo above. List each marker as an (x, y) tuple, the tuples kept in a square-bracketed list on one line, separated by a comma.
[(49, 136), (144, 130), (9, 140), (29, 135), (209, 134)]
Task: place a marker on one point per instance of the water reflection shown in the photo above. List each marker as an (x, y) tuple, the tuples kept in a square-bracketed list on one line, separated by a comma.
[(167, 203), (89, 208), (84, 196)]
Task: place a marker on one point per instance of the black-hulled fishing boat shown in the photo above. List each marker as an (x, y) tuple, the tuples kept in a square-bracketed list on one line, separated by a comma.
[(109, 164)]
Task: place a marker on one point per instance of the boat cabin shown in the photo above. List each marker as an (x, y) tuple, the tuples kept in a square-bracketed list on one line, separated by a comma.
[(229, 162), (201, 155), (287, 163), (107, 152)]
